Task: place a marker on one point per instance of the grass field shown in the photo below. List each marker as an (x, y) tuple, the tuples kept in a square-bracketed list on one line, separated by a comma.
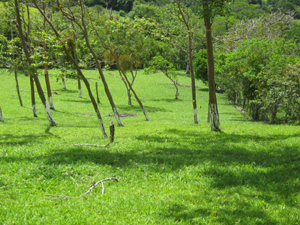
[(170, 170)]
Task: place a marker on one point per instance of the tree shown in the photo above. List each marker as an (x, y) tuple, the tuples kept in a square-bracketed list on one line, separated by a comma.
[(116, 59), (81, 22), (47, 80), (159, 63), (265, 74), (128, 37), (211, 8), (190, 54), (32, 69), (67, 52)]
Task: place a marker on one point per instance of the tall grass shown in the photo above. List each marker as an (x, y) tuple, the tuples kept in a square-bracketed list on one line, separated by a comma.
[(171, 170)]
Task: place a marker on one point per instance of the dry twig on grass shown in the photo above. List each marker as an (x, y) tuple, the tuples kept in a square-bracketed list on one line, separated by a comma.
[(88, 191)]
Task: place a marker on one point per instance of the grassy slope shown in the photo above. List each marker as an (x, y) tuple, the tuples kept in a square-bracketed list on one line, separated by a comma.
[(171, 171)]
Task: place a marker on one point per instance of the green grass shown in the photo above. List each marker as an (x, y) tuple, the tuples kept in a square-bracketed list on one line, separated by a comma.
[(171, 171)]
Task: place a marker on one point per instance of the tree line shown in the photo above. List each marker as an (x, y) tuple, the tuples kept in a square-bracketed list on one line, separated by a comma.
[(165, 36)]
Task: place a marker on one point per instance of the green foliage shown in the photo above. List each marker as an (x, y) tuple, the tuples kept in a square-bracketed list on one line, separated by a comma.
[(257, 71), (285, 5), (200, 65), (159, 63)]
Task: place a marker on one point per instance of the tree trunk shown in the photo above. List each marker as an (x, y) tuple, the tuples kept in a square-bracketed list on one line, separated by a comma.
[(78, 71), (32, 95), (129, 84), (193, 81), (97, 93), (79, 86), (1, 115), (213, 107), (107, 91), (33, 70), (47, 80), (214, 117), (84, 29), (17, 86), (127, 88), (63, 79), (190, 60), (187, 70)]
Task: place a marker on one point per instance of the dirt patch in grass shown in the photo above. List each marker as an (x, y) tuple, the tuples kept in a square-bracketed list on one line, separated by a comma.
[(123, 115)]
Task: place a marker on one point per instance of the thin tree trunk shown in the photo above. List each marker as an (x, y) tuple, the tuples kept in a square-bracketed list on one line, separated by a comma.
[(190, 59), (213, 107), (1, 115), (63, 80), (115, 58), (79, 86), (107, 91), (187, 70), (17, 86), (97, 93), (47, 80), (129, 84), (32, 93), (33, 72), (127, 89), (78, 71), (15, 67)]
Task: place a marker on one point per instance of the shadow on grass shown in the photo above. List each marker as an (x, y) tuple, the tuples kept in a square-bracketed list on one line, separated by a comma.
[(227, 161), (244, 214), (226, 164), (11, 140), (81, 100)]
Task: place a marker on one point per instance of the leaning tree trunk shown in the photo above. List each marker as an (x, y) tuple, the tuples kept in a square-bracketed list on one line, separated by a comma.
[(32, 94), (128, 83), (47, 80), (212, 105), (29, 61), (15, 67), (127, 89), (107, 91), (87, 84), (17, 86), (84, 29)]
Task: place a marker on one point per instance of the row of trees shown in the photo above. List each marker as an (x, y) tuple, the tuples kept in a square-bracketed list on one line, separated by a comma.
[(105, 40), (259, 69), (160, 36)]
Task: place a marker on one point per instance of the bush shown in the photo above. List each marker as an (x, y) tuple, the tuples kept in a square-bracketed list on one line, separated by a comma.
[(200, 65)]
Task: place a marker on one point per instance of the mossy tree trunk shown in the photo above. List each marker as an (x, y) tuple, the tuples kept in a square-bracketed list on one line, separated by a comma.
[(212, 105)]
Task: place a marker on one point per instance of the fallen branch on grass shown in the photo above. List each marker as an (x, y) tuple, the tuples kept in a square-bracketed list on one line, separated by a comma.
[(111, 137), (88, 191), (95, 184), (103, 146)]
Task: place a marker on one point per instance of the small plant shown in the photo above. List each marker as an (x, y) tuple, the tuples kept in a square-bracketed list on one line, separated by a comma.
[(159, 63)]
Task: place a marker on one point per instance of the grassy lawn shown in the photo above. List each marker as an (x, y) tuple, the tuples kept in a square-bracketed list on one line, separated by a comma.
[(170, 170)]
